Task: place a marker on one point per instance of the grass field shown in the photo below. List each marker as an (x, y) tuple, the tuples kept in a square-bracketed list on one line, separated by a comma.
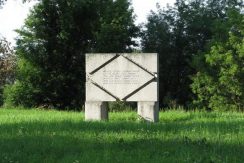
[(52, 136)]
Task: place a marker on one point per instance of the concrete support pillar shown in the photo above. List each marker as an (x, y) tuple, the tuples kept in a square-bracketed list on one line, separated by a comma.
[(148, 111), (96, 111)]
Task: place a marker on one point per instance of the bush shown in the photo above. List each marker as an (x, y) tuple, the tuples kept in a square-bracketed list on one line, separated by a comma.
[(18, 94)]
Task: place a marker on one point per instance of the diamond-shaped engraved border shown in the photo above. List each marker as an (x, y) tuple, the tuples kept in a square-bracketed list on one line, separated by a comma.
[(89, 76)]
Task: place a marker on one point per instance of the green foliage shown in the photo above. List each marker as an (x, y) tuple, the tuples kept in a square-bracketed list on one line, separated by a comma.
[(116, 28), (19, 94), (23, 93), (179, 34), (197, 56), (52, 44), (7, 65), (220, 85), (54, 136)]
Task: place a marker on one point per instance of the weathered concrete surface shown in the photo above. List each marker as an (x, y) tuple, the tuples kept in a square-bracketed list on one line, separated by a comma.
[(124, 77), (96, 111), (121, 77), (148, 111)]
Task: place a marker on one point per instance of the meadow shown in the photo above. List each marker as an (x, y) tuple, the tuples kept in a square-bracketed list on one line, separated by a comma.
[(29, 136)]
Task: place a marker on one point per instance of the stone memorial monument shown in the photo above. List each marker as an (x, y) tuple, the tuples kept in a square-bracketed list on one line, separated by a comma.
[(121, 77)]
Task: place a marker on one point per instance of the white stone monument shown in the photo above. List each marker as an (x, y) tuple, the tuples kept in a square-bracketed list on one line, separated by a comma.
[(121, 77)]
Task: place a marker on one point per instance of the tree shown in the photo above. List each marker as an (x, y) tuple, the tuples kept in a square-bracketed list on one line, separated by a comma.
[(52, 44), (116, 28), (7, 61), (7, 65), (179, 34), (219, 83)]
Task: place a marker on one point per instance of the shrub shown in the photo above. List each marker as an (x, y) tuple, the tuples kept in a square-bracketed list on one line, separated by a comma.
[(18, 94)]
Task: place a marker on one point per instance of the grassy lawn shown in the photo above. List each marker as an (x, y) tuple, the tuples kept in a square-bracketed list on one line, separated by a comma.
[(52, 136)]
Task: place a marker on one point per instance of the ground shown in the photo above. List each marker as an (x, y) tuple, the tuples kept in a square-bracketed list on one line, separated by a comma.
[(53, 136)]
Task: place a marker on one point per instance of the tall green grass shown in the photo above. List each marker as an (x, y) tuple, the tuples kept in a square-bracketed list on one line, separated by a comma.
[(52, 136)]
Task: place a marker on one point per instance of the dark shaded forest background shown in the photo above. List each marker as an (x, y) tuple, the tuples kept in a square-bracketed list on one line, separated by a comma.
[(200, 45)]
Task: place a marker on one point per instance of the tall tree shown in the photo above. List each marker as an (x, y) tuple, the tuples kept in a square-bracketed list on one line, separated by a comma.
[(52, 44), (180, 33), (116, 27), (7, 65), (219, 82)]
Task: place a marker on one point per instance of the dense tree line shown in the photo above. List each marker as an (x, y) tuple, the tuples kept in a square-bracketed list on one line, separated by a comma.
[(199, 42), (182, 35), (52, 43), (219, 82)]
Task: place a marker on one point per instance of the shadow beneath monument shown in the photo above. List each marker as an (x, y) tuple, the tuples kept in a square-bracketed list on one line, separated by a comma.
[(122, 106)]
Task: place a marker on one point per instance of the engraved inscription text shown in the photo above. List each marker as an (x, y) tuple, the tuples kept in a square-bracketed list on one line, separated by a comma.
[(121, 77)]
